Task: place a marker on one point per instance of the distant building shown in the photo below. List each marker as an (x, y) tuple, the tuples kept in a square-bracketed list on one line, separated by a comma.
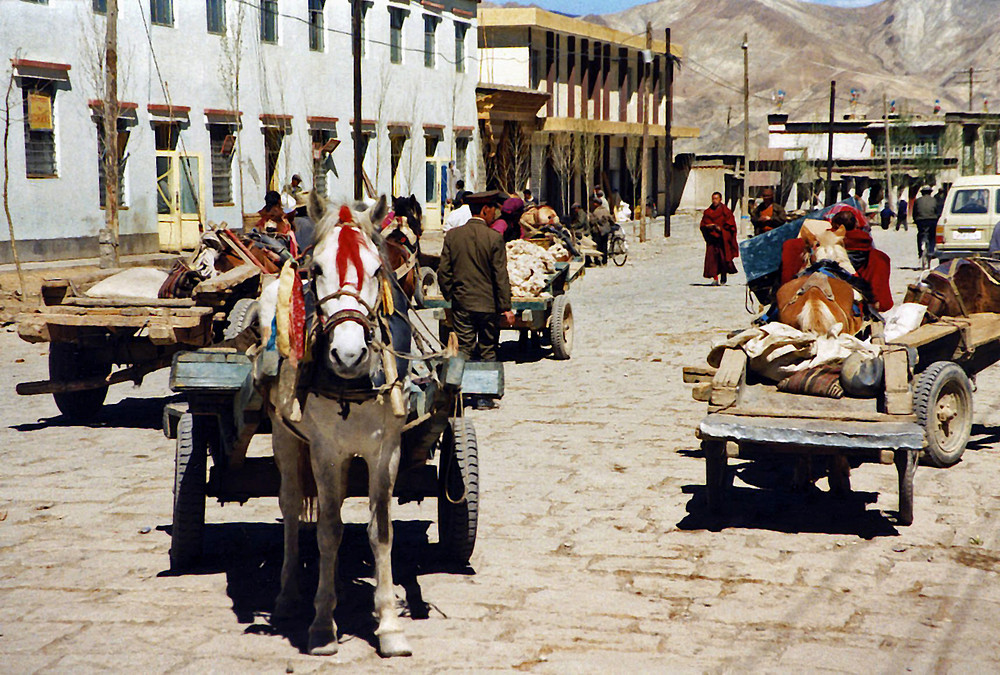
[(192, 148), (931, 150), (549, 86)]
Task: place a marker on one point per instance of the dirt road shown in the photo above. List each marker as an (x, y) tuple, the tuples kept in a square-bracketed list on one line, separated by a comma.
[(595, 551)]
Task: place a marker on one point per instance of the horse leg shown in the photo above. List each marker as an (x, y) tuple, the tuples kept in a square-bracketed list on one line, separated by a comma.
[(286, 454), (381, 478), (331, 488)]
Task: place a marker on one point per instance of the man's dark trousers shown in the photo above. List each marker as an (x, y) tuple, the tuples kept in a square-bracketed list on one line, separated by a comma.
[(476, 330), (926, 231)]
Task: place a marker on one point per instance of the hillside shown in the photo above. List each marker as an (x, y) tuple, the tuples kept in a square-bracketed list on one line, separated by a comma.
[(915, 51)]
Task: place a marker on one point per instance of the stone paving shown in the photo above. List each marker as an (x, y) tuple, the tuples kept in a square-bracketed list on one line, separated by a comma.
[(595, 551)]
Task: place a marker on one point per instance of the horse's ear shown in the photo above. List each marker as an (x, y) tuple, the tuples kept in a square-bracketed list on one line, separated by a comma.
[(378, 212), (316, 207)]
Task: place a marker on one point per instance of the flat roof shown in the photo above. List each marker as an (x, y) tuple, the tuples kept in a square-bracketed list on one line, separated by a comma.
[(497, 17)]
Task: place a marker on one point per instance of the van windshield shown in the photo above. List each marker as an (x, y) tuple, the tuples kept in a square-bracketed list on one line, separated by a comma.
[(970, 201)]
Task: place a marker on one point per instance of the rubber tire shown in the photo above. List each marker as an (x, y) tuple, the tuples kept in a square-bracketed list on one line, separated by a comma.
[(561, 327), (244, 314), (616, 253), (932, 381), (458, 474), (190, 464), (426, 285), (68, 361)]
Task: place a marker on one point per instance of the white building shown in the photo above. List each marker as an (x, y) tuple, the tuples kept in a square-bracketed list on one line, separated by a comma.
[(221, 101)]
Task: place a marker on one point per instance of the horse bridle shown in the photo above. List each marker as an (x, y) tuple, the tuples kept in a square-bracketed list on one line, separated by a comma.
[(366, 321)]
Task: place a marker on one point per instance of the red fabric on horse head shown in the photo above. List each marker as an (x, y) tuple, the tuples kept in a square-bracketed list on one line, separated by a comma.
[(349, 245)]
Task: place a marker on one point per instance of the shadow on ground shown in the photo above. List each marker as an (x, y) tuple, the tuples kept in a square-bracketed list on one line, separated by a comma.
[(250, 555), (765, 501), (128, 413)]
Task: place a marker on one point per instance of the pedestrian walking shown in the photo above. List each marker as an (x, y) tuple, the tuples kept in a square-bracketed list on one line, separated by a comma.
[(901, 215), (718, 227), (925, 217)]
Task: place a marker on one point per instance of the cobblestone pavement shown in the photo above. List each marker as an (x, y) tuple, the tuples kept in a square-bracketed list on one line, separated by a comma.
[(595, 551)]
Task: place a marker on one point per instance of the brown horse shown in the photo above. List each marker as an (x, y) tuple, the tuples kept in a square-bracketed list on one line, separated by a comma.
[(958, 287), (817, 303)]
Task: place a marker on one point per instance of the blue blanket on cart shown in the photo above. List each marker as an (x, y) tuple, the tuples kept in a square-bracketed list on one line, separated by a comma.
[(761, 255)]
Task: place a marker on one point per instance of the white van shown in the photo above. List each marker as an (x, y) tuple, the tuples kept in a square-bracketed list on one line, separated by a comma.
[(971, 209)]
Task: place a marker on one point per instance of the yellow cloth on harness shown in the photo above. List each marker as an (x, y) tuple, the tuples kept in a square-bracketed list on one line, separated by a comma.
[(283, 313)]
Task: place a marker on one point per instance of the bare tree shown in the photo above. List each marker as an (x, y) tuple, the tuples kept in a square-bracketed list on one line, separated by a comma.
[(561, 152), (380, 95), (512, 160), (6, 178), (633, 161), (590, 154), (229, 73)]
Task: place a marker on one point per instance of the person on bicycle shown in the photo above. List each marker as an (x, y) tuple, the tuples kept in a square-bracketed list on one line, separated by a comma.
[(601, 222)]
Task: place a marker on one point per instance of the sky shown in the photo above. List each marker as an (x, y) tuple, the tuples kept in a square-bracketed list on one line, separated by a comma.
[(610, 6)]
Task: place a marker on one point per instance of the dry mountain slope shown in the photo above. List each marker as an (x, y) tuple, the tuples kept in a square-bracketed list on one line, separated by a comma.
[(909, 49)]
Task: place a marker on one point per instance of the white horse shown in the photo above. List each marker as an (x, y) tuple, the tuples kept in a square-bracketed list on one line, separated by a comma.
[(345, 262)]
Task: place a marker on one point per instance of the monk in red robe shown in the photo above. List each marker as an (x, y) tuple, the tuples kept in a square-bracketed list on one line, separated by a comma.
[(718, 227)]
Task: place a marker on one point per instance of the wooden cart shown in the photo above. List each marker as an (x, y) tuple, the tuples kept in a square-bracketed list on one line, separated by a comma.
[(548, 315), (925, 409), (88, 336), (223, 411)]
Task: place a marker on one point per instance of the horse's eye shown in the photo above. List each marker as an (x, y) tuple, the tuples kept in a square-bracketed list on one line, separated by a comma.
[(317, 270)]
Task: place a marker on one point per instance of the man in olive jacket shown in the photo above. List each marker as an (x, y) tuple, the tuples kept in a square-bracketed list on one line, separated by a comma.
[(472, 275)]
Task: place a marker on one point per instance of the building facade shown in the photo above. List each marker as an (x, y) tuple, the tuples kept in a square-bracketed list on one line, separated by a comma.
[(586, 83), (222, 100)]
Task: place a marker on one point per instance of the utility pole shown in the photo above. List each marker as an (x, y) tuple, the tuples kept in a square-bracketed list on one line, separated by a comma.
[(829, 145), (972, 72), (644, 192), (668, 142), (108, 238), (358, 138), (888, 166), (745, 208)]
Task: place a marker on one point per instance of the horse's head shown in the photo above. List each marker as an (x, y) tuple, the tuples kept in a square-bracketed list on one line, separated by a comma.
[(830, 246), (409, 208), (345, 261)]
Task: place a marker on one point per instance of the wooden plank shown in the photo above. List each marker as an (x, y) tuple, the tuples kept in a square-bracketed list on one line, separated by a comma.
[(112, 321), (729, 379), (122, 301), (695, 374), (983, 329), (226, 281), (813, 434), (830, 414), (702, 392), (124, 375), (926, 334), (898, 398)]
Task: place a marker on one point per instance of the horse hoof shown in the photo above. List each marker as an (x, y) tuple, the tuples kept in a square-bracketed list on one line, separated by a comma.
[(393, 644), (285, 607), (323, 643)]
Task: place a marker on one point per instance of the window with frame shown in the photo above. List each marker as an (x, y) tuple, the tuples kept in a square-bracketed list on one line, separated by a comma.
[(100, 6), (215, 15), (161, 12), (430, 39), (223, 143), (461, 155), (316, 42), (364, 16), (396, 17), (397, 141), (102, 186), (460, 31), (269, 21), (38, 97), (38, 2)]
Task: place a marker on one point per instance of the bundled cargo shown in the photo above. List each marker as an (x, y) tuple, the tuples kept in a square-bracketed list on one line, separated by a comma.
[(528, 265)]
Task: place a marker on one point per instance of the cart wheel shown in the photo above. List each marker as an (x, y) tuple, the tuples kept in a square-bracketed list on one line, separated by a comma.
[(244, 315), (458, 490), (906, 466), (427, 284), (618, 252), (561, 327), (68, 361), (193, 438), (716, 468), (942, 401)]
